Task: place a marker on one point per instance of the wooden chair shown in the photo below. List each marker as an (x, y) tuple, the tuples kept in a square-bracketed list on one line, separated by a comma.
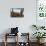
[(8, 34), (25, 43)]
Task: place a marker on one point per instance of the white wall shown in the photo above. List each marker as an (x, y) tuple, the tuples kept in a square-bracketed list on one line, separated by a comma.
[(23, 23)]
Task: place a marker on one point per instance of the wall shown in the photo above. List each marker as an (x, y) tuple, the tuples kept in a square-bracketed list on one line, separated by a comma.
[(24, 23)]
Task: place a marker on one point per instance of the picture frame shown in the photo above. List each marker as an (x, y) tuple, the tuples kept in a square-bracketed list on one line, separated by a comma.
[(17, 12)]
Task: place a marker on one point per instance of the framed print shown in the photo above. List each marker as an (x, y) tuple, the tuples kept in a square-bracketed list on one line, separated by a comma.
[(17, 12)]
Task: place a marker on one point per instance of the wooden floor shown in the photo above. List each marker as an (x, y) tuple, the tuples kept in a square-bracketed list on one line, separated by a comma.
[(13, 44)]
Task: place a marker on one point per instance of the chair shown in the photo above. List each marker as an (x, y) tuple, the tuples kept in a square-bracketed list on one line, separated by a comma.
[(7, 35), (14, 32), (26, 41)]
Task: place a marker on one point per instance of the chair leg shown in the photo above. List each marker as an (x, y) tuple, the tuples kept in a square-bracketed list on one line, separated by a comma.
[(5, 43), (5, 40)]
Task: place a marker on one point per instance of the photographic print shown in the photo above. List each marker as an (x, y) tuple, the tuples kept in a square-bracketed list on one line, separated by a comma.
[(17, 12)]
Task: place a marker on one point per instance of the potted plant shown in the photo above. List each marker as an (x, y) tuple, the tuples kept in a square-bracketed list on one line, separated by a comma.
[(39, 35)]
